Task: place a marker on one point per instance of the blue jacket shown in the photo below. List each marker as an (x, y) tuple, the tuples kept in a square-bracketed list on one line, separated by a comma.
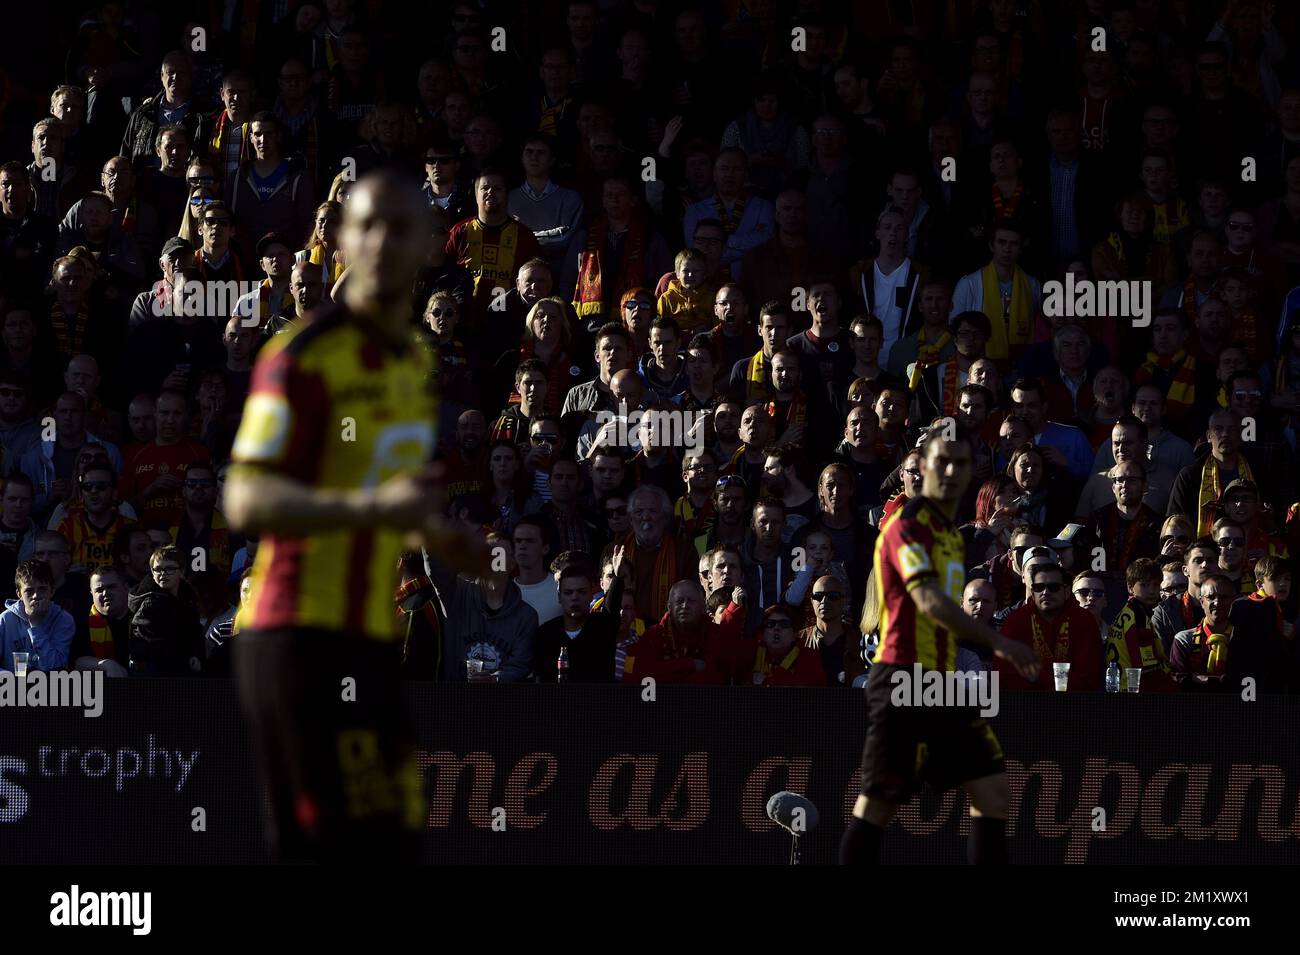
[(51, 639), (38, 464)]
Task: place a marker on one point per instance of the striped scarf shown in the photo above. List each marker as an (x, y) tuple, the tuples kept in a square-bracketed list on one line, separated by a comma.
[(1051, 638), (70, 333), (592, 288), (1180, 388), (664, 572), (691, 521), (217, 150), (1211, 490), (620, 651), (927, 354), (551, 116), (101, 636), (1216, 661)]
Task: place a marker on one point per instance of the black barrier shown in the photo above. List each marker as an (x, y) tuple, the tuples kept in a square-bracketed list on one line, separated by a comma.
[(597, 774)]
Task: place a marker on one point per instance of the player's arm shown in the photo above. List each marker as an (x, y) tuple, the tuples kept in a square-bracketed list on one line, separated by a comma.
[(260, 503), (932, 602)]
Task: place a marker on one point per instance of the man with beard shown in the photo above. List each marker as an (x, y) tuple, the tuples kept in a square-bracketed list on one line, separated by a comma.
[(1058, 630), (781, 479), (466, 461)]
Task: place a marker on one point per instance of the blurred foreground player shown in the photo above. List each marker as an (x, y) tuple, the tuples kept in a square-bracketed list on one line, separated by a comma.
[(919, 573), (330, 471)]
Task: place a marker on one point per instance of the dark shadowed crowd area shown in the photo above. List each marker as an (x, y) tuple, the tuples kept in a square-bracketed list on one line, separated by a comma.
[(703, 277)]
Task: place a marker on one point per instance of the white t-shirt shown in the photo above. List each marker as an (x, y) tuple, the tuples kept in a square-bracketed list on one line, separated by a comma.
[(543, 596), (887, 310)]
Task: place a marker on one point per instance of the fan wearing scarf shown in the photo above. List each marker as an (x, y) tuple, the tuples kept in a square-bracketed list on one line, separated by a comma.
[(1199, 487), (685, 646), (1059, 630), (750, 379), (658, 559), (1198, 659), (1169, 366), (1003, 291)]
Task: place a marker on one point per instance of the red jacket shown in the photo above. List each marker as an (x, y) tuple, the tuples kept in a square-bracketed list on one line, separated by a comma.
[(1071, 637), (668, 656)]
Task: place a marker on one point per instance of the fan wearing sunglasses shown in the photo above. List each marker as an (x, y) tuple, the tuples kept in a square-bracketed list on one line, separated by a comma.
[(834, 641), (91, 524), (1058, 629)]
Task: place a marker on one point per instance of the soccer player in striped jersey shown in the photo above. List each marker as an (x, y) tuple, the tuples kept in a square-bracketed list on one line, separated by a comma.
[(331, 472), (919, 573)]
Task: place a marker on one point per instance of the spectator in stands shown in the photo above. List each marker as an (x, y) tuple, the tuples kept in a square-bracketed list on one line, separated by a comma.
[(34, 624), (109, 626), (154, 475), (1059, 630), (49, 465), (1199, 657), (175, 104), (1184, 610), (590, 638), (490, 629), (166, 635)]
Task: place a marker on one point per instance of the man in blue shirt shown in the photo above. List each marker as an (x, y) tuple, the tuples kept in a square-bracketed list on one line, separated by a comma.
[(1064, 447)]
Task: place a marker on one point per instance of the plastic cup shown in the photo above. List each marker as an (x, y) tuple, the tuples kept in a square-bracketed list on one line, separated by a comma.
[(20, 664), (474, 670), (1132, 679), (1061, 675)]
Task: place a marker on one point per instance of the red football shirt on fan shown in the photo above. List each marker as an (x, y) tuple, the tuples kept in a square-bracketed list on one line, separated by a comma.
[(146, 465)]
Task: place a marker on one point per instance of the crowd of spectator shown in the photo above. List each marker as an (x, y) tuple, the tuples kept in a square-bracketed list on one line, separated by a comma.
[(809, 231)]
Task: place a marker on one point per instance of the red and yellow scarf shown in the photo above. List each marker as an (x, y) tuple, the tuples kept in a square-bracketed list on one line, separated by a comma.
[(1051, 638), (592, 289), (665, 572), (1180, 394), (1006, 208), (1211, 491)]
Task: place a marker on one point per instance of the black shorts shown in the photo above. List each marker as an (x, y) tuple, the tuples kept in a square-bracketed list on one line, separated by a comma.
[(906, 746), (338, 760)]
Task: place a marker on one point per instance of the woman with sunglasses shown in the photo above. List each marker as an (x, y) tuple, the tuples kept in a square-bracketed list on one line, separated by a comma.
[(322, 247), (1176, 535), (202, 193), (451, 370), (636, 310)]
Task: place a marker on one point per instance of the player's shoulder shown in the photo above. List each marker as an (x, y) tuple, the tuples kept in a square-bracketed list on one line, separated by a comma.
[(915, 514)]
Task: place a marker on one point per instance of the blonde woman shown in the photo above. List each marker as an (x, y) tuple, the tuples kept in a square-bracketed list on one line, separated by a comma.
[(322, 249)]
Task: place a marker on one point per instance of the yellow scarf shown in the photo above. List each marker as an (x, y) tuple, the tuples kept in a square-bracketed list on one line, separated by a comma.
[(1166, 227), (1212, 489), (756, 377), (1012, 322), (763, 666), (317, 257)]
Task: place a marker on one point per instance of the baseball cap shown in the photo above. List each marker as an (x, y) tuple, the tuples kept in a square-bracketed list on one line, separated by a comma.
[(270, 239), (1039, 555), (1067, 537), (176, 244), (1241, 486)]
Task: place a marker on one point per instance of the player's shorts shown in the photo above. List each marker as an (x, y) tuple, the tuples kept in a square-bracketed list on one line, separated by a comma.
[(906, 746), (333, 745)]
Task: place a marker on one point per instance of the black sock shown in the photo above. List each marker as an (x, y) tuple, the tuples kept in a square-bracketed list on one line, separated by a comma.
[(987, 844), (861, 843)]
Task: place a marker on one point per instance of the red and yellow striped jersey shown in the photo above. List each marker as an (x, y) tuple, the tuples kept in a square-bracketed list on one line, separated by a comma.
[(916, 545), (331, 407), (90, 546)]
